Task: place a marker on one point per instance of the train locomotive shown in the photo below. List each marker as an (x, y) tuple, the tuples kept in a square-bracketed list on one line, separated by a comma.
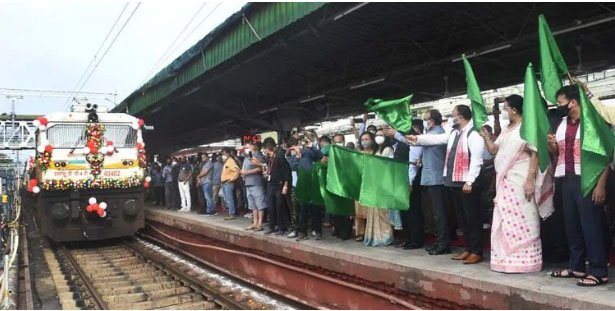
[(88, 177)]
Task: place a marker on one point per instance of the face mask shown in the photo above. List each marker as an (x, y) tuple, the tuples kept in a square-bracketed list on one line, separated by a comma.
[(174, 163), (340, 144), (372, 131), (504, 115), (454, 121), (366, 144), (224, 158), (246, 152), (426, 125), (562, 111), (379, 140)]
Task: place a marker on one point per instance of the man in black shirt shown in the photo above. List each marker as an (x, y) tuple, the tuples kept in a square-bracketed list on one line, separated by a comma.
[(278, 175)]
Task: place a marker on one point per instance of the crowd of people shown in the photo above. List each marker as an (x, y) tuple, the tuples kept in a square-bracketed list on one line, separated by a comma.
[(461, 181)]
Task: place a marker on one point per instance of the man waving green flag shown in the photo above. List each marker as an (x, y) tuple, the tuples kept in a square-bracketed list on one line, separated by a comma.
[(395, 112), (597, 143), (535, 125), (552, 64), (479, 111)]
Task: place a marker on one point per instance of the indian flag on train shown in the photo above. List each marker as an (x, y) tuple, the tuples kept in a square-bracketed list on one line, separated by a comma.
[(372, 180), (479, 111)]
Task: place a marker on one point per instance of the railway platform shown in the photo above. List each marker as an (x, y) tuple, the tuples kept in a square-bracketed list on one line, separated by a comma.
[(433, 281)]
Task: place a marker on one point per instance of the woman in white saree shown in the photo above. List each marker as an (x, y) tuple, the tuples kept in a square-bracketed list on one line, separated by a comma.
[(523, 196)]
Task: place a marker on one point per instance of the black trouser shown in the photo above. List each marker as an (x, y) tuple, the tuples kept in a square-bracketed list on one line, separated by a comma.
[(159, 192), (276, 205), (343, 226), (468, 208), (412, 219), (552, 231), (584, 222), (440, 214), (310, 212), (176, 196)]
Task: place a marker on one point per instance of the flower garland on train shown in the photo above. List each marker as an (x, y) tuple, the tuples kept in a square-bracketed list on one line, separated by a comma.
[(94, 136), (95, 155)]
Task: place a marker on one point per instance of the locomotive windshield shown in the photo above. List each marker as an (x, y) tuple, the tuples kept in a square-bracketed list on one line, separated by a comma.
[(73, 135)]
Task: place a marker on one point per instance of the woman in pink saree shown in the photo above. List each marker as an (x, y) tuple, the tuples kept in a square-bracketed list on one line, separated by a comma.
[(523, 197)]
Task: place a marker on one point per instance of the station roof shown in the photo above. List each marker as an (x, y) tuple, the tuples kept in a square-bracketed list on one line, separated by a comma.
[(318, 61)]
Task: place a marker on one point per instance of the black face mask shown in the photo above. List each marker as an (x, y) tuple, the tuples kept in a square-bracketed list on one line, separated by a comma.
[(562, 111)]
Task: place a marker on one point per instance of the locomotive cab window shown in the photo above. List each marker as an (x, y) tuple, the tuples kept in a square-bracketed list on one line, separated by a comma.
[(74, 135)]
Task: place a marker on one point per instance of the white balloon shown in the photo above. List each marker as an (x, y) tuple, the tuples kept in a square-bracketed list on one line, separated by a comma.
[(36, 189), (135, 125), (102, 205), (92, 200), (86, 150), (40, 149), (103, 149), (36, 122), (42, 127), (148, 179)]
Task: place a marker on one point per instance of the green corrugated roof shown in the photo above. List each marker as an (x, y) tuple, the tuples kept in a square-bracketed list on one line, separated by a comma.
[(227, 40)]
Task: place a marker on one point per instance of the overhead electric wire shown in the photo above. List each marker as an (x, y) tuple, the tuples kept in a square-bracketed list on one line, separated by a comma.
[(108, 48), (184, 40), (164, 55), (101, 45)]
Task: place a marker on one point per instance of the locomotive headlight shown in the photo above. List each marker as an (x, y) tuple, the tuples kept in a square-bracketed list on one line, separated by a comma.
[(131, 208), (60, 211)]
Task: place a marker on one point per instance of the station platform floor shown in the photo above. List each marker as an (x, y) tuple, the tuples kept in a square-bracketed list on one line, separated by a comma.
[(413, 271)]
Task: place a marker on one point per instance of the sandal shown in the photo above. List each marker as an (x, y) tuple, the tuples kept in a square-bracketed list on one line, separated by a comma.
[(359, 238), (250, 227), (569, 274), (259, 228), (593, 281)]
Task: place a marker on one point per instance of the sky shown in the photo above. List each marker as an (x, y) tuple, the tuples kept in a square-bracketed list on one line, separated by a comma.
[(48, 45)]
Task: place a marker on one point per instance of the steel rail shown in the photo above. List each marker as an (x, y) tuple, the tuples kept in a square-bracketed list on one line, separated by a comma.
[(222, 300), (338, 282), (86, 280)]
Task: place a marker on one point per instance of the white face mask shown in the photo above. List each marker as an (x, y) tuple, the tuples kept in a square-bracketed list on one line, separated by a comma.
[(504, 115), (247, 152), (426, 125), (174, 163), (340, 144), (379, 140), (224, 157), (454, 120)]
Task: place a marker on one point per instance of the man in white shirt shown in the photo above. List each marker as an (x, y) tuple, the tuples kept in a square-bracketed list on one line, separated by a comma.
[(462, 165)]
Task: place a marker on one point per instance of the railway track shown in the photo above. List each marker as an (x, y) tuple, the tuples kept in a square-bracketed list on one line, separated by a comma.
[(137, 275)]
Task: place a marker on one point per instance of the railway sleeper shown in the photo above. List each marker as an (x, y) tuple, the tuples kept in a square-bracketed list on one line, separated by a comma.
[(124, 279), (106, 290), (161, 303), (149, 271), (148, 295), (201, 305)]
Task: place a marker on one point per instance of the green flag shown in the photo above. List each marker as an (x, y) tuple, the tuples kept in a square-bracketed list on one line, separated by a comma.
[(384, 183), (307, 190), (597, 141), (535, 125), (552, 64), (344, 172), (372, 180), (334, 204), (395, 112), (479, 111)]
